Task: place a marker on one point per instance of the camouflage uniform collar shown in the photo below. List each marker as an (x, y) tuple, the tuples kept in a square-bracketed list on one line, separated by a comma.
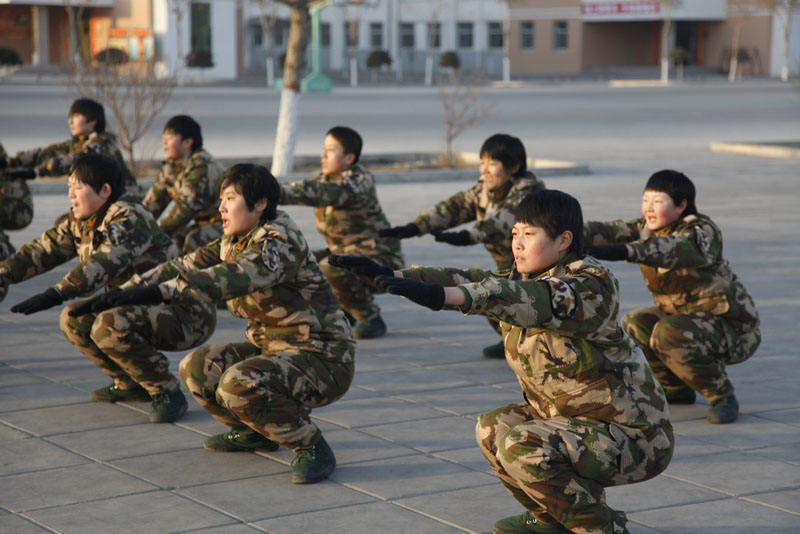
[(558, 270), (354, 169), (262, 229)]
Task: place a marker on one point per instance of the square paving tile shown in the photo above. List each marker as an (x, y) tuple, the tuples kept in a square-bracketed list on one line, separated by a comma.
[(22, 453), (429, 435)]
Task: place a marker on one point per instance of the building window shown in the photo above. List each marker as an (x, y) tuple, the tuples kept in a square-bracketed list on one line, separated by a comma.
[(351, 33), (495, 35), (201, 26), (526, 36), (407, 35), (376, 35), (325, 34), (560, 35), (434, 35), (258, 37), (464, 34)]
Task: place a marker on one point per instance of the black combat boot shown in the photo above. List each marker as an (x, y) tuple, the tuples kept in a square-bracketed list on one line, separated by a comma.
[(235, 441), (527, 524), (168, 407), (314, 463), (113, 393), (495, 352), (370, 329), (680, 395), (723, 410)]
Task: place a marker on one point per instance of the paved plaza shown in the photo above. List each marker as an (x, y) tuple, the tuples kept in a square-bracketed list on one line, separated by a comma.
[(407, 461)]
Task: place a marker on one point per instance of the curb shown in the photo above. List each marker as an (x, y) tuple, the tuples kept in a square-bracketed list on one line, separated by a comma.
[(787, 149)]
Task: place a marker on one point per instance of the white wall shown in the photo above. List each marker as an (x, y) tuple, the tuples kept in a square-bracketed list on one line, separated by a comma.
[(777, 53)]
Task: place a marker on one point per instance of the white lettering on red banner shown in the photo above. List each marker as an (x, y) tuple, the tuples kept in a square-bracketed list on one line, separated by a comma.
[(620, 8)]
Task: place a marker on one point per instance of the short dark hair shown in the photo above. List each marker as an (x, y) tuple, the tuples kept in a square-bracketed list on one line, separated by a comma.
[(349, 139), (677, 185), (508, 150), (187, 128), (253, 182), (92, 110), (555, 212), (96, 170)]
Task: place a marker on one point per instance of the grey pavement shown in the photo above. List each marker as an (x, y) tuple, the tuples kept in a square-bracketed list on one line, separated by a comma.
[(404, 433)]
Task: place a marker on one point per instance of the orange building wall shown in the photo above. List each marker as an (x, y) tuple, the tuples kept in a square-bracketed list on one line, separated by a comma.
[(543, 59), (620, 43), (755, 35), (16, 30)]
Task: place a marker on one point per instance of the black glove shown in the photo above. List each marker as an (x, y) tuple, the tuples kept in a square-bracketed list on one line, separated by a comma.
[(607, 252), (359, 265), (39, 302), (20, 172), (428, 295), (100, 302), (3, 162), (135, 296), (400, 232), (459, 239)]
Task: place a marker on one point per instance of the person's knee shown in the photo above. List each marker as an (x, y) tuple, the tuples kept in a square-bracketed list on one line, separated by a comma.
[(671, 333), (191, 372), (74, 327), (104, 331)]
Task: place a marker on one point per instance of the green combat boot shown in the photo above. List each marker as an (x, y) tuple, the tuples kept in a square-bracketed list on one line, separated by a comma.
[(113, 393), (314, 463), (235, 441), (680, 395), (168, 407), (370, 329), (495, 352), (723, 410), (526, 524)]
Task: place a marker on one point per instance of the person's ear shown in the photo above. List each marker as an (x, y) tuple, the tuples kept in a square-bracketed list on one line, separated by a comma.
[(105, 192), (682, 205), (91, 125), (260, 206), (349, 159), (513, 171), (187, 144), (565, 240)]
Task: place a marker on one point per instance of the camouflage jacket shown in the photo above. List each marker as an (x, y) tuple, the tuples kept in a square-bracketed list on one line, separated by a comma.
[(16, 202), (683, 267), (268, 276), (348, 214), (112, 245), (56, 159), (493, 211), (192, 184), (563, 340)]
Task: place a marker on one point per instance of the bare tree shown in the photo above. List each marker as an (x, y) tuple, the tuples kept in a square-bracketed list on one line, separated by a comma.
[(738, 11), (132, 92), (267, 17), (666, 28), (462, 108), (299, 34), (785, 9)]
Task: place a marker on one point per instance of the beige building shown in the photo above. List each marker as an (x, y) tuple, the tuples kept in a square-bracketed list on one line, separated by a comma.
[(576, 36), (43, 33)]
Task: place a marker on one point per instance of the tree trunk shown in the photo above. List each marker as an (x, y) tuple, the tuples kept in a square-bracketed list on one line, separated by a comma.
[(665, 29), (299, 31), (734, 66)]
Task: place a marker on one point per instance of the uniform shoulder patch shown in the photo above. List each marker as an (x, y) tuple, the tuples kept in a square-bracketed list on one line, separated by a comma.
[(702, 239), (270, 255), (563, 301), (115, 233)]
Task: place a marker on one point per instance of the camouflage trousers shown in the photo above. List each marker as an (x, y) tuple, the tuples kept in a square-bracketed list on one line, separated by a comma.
[(6, 250), (191, 237), (125, 342), (272, 393), (688, 349), (558, 468), (16, 204), (356, 296)]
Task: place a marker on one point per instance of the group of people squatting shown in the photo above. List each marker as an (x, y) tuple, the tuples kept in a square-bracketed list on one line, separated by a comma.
[(596, 387)]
